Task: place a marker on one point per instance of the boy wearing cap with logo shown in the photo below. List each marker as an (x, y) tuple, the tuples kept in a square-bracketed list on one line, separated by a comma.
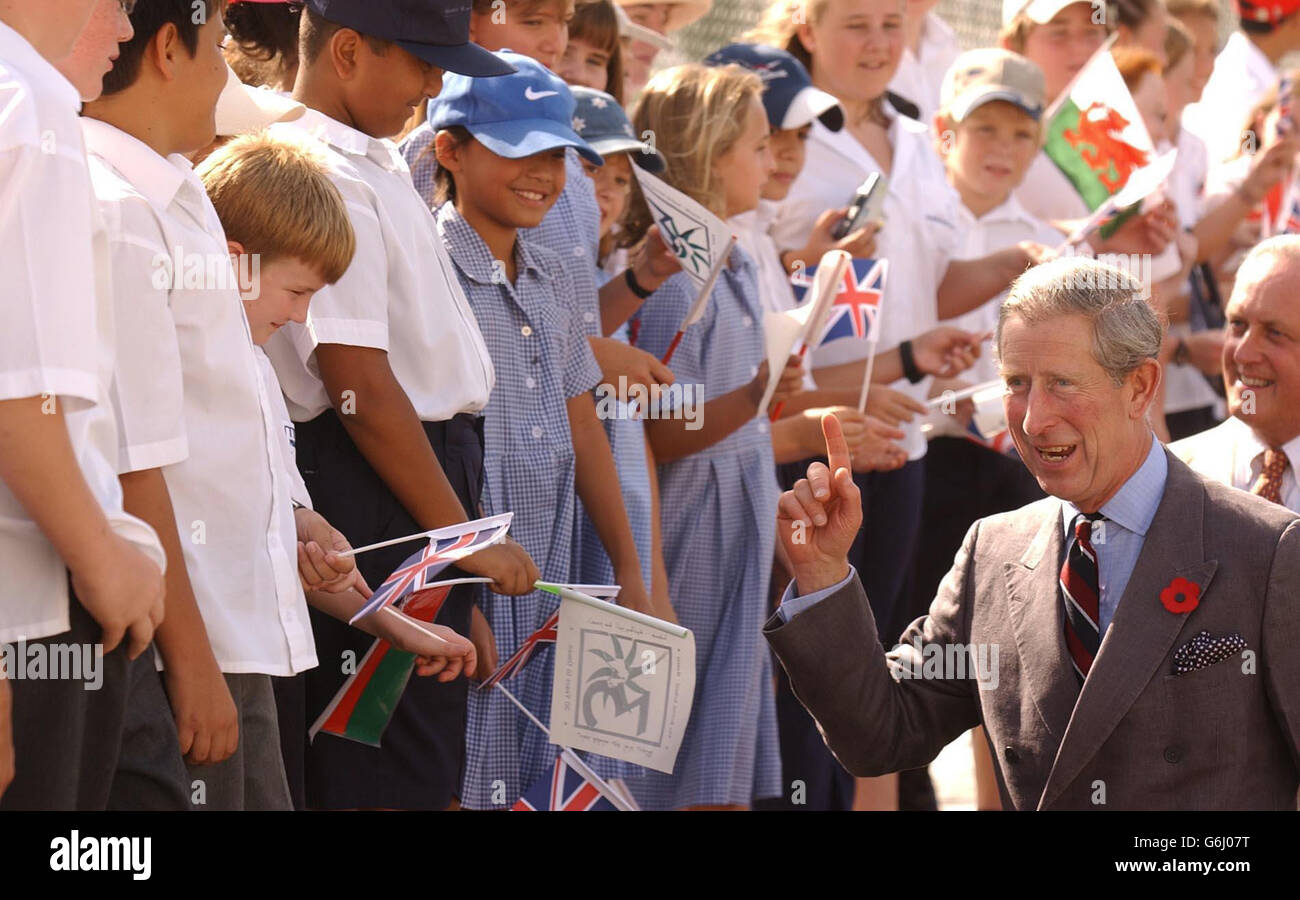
[(78, 569), (501, 146), (387, 381)]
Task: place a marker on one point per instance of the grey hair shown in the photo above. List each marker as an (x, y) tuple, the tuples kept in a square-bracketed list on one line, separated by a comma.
[(1126, 331), (1263, 259)]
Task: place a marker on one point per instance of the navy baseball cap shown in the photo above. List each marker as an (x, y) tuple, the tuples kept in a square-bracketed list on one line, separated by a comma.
[(436, 32), (604, 125), (789, 97), (516, 115)]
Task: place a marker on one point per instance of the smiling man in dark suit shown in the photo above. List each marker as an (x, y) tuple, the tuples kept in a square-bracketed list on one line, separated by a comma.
[(1137, 630)]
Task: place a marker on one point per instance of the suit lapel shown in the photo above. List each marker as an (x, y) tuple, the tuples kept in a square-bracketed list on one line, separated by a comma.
[(1038, 621), (1142, 631)]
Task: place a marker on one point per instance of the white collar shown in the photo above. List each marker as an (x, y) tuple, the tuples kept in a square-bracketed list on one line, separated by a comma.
[(17, 52), (1007, 211), (159, 179), (348, 140), (845, 144), (1250, 442)]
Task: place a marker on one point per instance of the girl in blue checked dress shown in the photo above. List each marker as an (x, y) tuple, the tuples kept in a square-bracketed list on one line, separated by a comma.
[(717, 493), (501, 147)]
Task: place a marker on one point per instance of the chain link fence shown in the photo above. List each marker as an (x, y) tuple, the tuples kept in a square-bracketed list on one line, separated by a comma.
[(976, 22)]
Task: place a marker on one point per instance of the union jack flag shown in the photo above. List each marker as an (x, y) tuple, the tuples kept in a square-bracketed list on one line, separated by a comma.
[(856, 309), (564, 789), (544, 635), (446, 546)]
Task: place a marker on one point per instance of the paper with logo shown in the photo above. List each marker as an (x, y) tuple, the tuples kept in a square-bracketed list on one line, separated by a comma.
[(624, 682), (696, 236)]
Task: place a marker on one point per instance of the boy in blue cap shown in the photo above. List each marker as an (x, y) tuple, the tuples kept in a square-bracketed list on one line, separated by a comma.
[(501, 146), (386, 382)]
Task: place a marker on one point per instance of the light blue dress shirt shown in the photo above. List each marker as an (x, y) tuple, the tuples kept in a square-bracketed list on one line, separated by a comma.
[(1118, 545)]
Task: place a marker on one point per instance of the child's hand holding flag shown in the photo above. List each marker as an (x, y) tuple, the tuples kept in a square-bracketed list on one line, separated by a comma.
[(320, 565)]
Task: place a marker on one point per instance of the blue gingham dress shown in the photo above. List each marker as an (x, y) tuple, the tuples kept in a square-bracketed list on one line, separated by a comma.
[(572, 230), (718, 515), (542, 359)]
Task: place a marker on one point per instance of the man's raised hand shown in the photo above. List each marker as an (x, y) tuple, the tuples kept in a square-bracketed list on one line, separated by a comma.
[(818, 520)]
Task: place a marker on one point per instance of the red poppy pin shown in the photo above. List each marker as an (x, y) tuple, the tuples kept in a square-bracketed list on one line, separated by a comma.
[(1181, 596)]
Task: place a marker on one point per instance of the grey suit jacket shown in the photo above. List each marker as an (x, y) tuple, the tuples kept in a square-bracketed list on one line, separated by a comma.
[(1137, 736)]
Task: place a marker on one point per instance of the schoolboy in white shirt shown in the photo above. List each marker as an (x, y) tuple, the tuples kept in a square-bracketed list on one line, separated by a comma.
[(387, 380), (79, 571), (198, 434)]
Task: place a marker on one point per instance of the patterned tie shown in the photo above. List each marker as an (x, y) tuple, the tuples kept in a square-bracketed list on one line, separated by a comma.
[(1082, 596), (1269, 485)]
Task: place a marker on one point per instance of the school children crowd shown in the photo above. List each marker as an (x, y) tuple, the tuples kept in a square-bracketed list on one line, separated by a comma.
[(282, 279)]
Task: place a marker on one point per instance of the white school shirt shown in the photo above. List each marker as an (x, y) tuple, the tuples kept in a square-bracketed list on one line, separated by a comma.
[(919, 238), (1242, 75), (1048, 195), (57, 336), (286, 441), (400, 294), (999, 228), (775, 292), (1231, 453), (229, 491), (920, 75)]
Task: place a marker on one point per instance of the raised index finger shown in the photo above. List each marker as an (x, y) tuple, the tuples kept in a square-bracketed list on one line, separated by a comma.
[(837, 449)]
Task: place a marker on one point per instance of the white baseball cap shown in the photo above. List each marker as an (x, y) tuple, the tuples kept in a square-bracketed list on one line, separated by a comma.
[(1038, 11), (242, 109)]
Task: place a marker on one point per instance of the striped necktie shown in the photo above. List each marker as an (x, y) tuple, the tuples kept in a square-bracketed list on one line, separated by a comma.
[(1082, 596), (1269, 485)]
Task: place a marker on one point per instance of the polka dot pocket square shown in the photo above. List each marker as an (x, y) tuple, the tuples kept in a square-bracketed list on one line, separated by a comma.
[(1205, 650)]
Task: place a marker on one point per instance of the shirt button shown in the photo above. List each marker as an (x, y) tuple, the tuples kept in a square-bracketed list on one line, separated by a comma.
[(1173, 754), (753, 371), (588, 317), (526, 331), (579, 251), (749, 321), (1011, 754), (537, 431), (530, 382)]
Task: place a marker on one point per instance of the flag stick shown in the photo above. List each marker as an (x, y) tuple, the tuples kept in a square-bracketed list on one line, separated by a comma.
[(776, 410), (866, 382), (700, 299), (567, 593), (401, 540), (571, 758)]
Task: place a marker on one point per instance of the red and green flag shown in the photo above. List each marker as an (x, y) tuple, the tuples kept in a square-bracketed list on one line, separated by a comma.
[(364, 705), (1096, 137)]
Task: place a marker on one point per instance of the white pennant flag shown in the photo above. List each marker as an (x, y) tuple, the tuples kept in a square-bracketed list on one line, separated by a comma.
[(696, 236)]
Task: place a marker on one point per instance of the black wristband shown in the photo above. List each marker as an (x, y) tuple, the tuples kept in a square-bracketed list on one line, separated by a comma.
[(630, 277), (910, 370)]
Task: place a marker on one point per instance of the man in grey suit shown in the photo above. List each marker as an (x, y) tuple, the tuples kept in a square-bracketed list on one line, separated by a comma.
[(1131, 642)]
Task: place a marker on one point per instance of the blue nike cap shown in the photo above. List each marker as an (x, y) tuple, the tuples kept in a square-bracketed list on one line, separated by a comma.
[(515, 115)]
